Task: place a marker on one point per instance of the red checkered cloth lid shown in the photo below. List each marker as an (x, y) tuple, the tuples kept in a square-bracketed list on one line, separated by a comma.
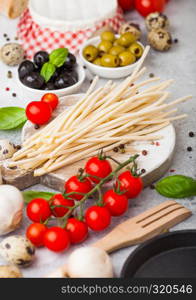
[(35, 37)]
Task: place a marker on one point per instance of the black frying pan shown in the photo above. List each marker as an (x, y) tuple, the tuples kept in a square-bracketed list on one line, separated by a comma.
[(171, 255)]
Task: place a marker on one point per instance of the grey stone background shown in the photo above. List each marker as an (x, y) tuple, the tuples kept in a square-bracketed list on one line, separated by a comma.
[(180, 64)]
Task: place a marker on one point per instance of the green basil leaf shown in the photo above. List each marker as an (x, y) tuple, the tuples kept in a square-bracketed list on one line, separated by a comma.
[(58, 57), (30, 195), (47, 71), (12, 117), (177, 186)]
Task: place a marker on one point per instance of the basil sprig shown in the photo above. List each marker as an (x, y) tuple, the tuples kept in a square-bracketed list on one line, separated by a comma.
[(47, 71), (56, 60), (30, 195), (177, 186), (12, 117)]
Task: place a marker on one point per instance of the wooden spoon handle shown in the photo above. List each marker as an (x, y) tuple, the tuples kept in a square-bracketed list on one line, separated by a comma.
[(115, 240)]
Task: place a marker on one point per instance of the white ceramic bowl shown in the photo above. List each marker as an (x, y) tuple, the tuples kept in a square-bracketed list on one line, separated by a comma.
[(35, 95), (112, 73)]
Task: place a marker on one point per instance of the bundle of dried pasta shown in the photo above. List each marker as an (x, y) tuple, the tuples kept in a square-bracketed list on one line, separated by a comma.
[(103, 119)]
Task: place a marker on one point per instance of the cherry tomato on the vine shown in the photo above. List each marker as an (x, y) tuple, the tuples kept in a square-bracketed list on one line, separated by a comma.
[(98, 218), (35, 233), (38, 112), (56, 239), (98, 167), (78, 230), (38, 210), (117, 204), (126, 5), (74, 184), (131, 184), (51, 99), (59, 200), (145, 7)]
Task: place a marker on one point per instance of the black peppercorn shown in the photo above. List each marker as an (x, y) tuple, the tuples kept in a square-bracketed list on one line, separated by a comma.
[(189, 149), (191, 134)]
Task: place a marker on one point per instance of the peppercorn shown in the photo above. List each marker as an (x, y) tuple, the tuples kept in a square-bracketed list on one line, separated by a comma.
[(143, 171), (115, 149), (9, 74), (5, 35), (14, 95), (122, 146), (189, 149), (191, 134), (36, 126), (175, 41), (144, 152), (151, 75)]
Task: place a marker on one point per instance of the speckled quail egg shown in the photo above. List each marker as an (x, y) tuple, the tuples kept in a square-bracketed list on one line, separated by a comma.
[(17, 250), (7, 149), (9, 271), (160, 39), (12, 54), (156, 20), (131, 27)]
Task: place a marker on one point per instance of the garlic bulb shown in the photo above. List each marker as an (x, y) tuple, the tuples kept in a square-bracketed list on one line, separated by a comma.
[(11, 206), (10, 272), (89, 262), (17, 250)]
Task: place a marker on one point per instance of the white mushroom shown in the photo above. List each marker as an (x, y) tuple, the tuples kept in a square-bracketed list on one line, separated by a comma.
[(10, 272), (89, 262), (17, 250), (11, 206), (7, 149)]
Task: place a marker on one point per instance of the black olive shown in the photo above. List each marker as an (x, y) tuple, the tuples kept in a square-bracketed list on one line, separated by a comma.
[(41, 58), (25, 68), (64, 81), (34, 81), (70, 62), (49, 86)]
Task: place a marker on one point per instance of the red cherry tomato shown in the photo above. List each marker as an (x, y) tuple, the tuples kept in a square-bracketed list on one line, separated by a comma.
[(131, 184), (98, 167), (38, 210), (74, 184), (35, 233), (38, 112), (98, 218), (59, 200), (78, 230), (126, 5), (115, 203), (145, 7), (51, 99), (56, 239)]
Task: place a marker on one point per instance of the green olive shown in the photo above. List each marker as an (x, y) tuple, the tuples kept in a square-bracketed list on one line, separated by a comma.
[(116, 50), (110, 61), (108, 36), (116, 42), (104, 47), (90, 52), (126, 58), (97, 61), (126, 39), (136, 49)]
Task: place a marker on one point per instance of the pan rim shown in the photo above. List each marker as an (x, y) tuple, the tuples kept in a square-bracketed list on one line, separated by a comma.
[(147, 244)]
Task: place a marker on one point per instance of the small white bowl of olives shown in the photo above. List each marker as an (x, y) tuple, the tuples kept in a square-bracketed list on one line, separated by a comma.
[(112, 56)]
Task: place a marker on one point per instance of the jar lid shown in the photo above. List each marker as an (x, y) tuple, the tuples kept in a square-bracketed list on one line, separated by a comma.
[(71, 15)]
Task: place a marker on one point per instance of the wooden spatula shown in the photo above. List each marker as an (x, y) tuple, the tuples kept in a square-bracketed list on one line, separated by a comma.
[(145, 226), (139, 229)]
